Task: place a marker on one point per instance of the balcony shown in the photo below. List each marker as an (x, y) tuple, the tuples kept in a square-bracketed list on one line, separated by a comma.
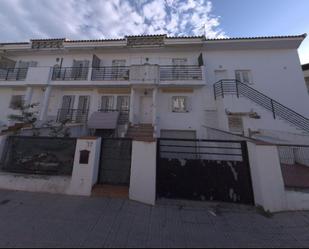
[(110, 74), (13, 74), (77, 116), (70, 74), (180, 73)]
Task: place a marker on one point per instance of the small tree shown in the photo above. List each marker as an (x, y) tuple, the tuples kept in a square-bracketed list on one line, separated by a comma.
[(27, 115), (60, 130)]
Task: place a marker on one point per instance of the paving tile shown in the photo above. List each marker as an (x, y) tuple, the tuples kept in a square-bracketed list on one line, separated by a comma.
[(31, 220)]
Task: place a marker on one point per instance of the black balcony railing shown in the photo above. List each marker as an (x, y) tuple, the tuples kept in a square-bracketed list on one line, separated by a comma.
[(73, 115), (180, 73), (110, 73), (13, 74), (70, 73)]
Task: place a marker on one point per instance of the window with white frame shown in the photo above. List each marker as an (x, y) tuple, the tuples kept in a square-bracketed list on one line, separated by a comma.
[(118, 69), (107, 103), (236, 124), (244, 76), (180, 104), (17, 101)]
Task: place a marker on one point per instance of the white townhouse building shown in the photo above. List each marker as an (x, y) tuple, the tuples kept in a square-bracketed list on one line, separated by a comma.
[(161, 86), (306, 74)]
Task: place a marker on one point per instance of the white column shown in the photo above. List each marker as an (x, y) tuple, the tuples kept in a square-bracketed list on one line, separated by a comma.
[(94, 102), (28, 95), (131, 115), (203, 68), (45, 104), (154, 105), (143, 172), (85, 173)]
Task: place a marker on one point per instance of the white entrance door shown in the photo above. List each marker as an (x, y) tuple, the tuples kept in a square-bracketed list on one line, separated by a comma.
[(146, 110)]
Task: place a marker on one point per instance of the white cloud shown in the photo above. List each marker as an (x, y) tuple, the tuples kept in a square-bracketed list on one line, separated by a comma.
[(93, 19)]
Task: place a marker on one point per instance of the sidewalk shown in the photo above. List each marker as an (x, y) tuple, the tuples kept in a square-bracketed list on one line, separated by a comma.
[(43, 220)]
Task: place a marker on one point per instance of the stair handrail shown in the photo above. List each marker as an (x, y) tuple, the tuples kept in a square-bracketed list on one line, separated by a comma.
[(220, 90)]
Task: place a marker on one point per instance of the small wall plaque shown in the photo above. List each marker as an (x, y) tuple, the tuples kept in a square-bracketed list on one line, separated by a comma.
[(84, 156)]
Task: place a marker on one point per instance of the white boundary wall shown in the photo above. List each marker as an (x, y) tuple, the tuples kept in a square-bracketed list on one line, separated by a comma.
[(143, 172), (80, 183), (84, 176), (268, 183)]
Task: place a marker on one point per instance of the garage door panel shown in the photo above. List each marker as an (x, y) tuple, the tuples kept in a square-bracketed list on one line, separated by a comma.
[(215, 174)]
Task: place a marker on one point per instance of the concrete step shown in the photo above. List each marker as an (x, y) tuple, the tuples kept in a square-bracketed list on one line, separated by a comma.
[(110, 191)]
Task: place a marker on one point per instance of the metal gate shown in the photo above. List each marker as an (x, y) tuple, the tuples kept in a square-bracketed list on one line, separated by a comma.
[(115, 164), (206, 170)]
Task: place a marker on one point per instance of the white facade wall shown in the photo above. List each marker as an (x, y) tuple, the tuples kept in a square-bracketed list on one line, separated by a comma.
[(268, 184), (276, 73), (6, 94)]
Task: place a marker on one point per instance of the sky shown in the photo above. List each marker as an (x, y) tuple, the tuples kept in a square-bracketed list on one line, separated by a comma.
[(22, 20)]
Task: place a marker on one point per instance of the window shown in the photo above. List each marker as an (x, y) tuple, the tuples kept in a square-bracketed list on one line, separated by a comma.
[(118, 69), (180, 104), (123, 103), (179, 69), (17, 101), (68, 102), (244, 76), (236, 124), (80, 70), (107, 103)]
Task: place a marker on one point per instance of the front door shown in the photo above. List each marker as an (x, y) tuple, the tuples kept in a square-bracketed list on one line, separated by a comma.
[(146, 110)]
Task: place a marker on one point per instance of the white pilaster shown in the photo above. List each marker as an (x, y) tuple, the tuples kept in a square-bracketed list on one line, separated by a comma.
[(131, 115), (28, 95), (44, 108), (154, 106)]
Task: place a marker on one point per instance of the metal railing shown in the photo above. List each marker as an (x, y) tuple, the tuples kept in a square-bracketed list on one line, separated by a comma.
[(294, 154), (110, 73), (73, 115), (70, 73), (13, 74), (180, 73), (234, 87), (217, 150), (39, 155)]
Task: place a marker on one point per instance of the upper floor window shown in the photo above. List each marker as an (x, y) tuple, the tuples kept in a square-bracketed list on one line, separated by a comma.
[(244, 76), (26, 64), (17, 101), (180, 104), (107, 103), (119, 63)]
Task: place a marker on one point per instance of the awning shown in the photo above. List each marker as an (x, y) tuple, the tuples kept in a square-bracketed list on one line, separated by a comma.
[(103, 120)]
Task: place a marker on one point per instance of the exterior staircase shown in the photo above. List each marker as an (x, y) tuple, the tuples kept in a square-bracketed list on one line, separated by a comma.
[(279, 111), (142, 132)]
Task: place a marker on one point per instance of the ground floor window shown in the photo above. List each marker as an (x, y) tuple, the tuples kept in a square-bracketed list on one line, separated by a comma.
[(236, 124), (17, 101), (180, 104), (107, 103), (123, 103)]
